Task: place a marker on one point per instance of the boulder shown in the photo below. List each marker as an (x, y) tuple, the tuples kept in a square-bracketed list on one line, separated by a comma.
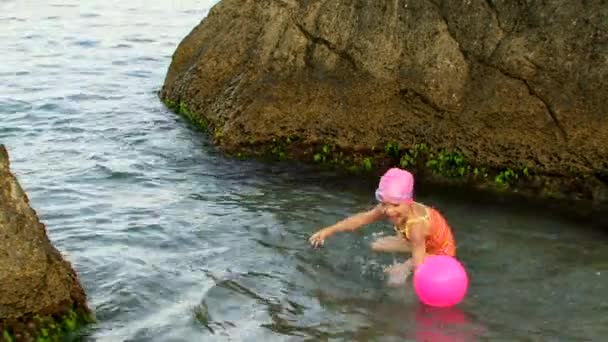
[(40, 295), (499, 94)]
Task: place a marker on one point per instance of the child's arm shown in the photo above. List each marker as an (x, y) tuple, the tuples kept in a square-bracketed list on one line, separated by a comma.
[(418, 244), (348, 224)]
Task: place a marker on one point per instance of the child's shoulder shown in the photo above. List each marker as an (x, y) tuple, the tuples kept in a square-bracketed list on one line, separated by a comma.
[(429, 208), (422, 209)]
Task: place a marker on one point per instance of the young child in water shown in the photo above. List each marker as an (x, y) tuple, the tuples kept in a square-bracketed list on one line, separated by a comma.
[(420, 229)]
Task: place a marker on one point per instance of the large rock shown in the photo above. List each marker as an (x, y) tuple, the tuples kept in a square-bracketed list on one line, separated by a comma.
[(39, 291), (506, 85)]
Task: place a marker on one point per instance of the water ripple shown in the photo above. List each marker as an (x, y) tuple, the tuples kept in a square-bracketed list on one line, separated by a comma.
[(12, 106)]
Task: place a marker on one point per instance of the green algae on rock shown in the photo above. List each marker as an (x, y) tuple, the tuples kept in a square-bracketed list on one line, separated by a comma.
[(441, 166), (49, 328)]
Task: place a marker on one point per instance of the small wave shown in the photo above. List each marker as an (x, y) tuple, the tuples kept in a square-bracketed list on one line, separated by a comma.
[(64, 5), (146, 59), (49, 107), (86, 43), (14, 19), (32, 36), (139, 73), (168, 311), (85, 97), (49, 66), (6, 132), (12, 106), (34, 89), (92, 72), (140, 40), (122, 46), (116, 175), (71, 130)]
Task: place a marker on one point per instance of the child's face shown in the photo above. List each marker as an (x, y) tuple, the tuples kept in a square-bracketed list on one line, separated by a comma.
[(394, 212)]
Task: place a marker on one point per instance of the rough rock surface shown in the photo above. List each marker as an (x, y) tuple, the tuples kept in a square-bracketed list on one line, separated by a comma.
[(35, 280), (509, 84)]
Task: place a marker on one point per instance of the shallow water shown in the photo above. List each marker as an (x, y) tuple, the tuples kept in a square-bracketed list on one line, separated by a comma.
[(176, 242)]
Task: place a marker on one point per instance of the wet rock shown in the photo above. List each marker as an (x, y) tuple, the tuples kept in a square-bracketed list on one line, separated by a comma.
[(39, 290), (510, 85)]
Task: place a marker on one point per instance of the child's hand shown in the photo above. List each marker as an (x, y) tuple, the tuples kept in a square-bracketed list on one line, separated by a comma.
[(398, 273), (318, 239)]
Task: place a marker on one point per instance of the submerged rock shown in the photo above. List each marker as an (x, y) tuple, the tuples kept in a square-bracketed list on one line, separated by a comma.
[(510, 95), (40, 295)]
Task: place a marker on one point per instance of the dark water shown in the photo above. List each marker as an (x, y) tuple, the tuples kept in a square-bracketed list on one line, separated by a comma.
[(175, 242)]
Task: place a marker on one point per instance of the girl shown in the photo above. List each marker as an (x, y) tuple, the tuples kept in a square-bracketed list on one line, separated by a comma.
[(420, 229)]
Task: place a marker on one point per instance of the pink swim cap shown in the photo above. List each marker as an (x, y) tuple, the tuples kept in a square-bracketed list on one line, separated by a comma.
[(396, 186)]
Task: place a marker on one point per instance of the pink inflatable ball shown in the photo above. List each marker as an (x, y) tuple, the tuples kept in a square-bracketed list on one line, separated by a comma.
[(440, 281)]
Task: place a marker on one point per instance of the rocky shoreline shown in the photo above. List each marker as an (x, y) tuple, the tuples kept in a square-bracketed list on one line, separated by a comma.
[(41, 298), (487, 97), (570, 196)]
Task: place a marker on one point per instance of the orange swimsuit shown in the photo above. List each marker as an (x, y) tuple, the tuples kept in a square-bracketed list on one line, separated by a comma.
[(440, 241)]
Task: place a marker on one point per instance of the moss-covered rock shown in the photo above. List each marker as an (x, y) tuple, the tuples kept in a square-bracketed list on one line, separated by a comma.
[(430, 164), (49, 328), (508, 96)]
